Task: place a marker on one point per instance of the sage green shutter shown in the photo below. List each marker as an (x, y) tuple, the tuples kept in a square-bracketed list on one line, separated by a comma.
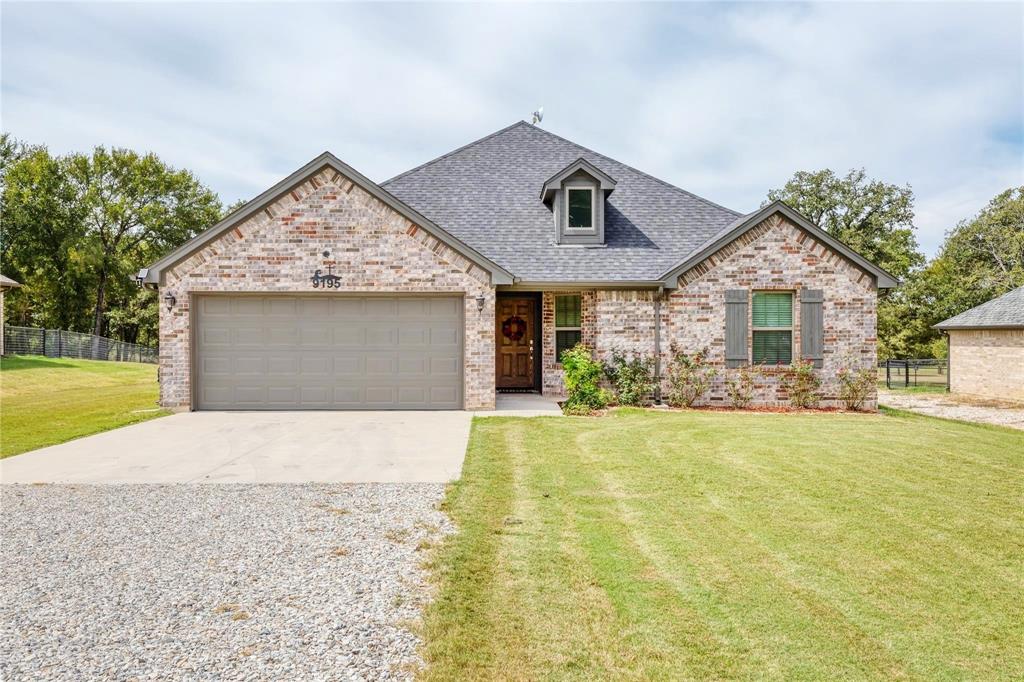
[(812, 326), (736, 328)]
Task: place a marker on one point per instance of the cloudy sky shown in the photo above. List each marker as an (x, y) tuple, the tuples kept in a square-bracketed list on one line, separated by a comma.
[(725, 100)]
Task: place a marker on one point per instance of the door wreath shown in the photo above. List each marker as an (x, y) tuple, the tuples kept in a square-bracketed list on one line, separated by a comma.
[(513, 328)]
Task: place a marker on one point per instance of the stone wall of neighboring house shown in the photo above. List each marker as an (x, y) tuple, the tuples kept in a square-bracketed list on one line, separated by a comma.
[(373, 248), (987, 362), (774, 255)]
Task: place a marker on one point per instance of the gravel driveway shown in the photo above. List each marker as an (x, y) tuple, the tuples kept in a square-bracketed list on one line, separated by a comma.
[(310, 581), (952, 406)]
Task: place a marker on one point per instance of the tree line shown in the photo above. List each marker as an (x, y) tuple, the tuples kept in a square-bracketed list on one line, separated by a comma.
[(75, 229)]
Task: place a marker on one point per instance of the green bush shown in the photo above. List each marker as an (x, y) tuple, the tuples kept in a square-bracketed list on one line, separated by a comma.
[(582, 377), (740, 387), (689, 377), (855, 385), (633, 378), (802, 384)]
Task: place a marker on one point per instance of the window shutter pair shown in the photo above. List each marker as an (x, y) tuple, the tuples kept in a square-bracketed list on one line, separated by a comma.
[(812, 328)]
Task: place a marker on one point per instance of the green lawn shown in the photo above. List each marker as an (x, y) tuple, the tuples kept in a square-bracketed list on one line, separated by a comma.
[(710, 545), (44, 401)]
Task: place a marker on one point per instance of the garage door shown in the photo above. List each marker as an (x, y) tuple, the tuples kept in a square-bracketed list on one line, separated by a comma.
[(328, 352)]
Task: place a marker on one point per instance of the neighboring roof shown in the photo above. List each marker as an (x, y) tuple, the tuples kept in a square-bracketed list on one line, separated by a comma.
[(554, 182), (152, 274), (8, 283), (486, 195), (1005, 312), (744, 223)]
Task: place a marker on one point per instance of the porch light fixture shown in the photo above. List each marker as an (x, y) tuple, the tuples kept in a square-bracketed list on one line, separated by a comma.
[(480, 301), (169, 300)]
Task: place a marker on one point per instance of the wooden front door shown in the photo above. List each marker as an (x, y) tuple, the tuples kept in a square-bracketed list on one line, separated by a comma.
[(515, 333)]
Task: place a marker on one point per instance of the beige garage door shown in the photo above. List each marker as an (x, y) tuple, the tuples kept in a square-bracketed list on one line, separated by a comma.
[(328, 352)]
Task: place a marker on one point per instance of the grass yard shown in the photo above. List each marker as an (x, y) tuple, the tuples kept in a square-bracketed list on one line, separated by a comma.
[(44, 401), (710, 545)]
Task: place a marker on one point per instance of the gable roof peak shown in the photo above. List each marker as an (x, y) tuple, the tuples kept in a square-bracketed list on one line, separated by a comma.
[(606, 182)]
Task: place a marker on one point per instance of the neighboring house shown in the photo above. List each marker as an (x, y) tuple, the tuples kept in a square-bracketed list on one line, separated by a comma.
[(986, 348), (5, 284), (471, 273)]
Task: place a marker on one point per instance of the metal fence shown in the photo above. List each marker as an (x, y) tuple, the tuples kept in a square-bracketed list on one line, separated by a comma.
[(913, 373), (58, 343)]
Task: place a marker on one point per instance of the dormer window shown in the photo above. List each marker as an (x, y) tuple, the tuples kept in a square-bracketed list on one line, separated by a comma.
[(576, 196), (579, 208)]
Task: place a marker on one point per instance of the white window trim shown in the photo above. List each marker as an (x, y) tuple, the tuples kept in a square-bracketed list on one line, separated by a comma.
[(558, 358), (593, 209), (791, 328)]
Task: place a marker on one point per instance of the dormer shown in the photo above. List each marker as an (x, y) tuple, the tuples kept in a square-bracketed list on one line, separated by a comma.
[(576, 196)]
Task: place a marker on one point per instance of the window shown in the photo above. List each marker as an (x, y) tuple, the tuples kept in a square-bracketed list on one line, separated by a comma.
[(580, 205), (773, 328), (567, 323)]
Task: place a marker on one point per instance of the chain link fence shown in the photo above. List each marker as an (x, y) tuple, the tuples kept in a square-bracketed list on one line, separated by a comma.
[(57, 343)]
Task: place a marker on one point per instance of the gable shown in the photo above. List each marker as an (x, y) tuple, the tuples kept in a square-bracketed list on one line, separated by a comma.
[(300, 183), (750, 227)]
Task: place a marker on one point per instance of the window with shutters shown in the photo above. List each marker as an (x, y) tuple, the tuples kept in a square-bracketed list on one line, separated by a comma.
[(772, 328), (568, 323)]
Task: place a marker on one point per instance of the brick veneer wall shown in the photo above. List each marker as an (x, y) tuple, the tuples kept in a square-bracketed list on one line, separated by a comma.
[(987, 363), (774, 255), (373, 249)]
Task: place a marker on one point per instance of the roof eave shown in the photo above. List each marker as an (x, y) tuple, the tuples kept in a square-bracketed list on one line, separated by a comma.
[(151, 275), (883, 280)]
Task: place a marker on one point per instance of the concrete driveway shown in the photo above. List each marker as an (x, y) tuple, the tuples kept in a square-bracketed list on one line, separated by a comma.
[(259, 447)]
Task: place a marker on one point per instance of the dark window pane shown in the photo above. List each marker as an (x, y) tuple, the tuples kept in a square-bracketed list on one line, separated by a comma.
[(773, 348), (581, 208), (773, 309), (567, 311), (564, 340)]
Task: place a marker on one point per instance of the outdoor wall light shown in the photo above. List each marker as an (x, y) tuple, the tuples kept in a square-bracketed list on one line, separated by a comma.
[(480, 301), (169, 300)]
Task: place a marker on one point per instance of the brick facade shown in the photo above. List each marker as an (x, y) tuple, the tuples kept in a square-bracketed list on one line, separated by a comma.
[(987, 362), (373, 249), (774, 255)]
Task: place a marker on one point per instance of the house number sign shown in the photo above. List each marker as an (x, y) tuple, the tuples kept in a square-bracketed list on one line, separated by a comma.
[(328, 281)]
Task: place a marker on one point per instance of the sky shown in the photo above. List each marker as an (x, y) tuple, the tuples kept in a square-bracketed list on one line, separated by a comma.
[(724, 100)]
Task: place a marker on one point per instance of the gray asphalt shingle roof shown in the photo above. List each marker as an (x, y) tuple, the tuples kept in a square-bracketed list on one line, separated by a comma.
[(487, 195), (1005, 311)]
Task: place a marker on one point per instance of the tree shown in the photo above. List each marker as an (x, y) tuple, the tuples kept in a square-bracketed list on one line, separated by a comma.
[(135, 208), (874, 218), (982, 258)]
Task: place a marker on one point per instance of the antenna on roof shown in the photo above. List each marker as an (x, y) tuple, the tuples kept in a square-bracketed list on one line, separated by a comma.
[(538, 115)]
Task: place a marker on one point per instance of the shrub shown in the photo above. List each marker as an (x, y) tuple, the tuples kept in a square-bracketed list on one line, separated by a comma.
[(802, 383), (740, 387), (689, 377), (582, 374), (633, 378), (855, 385)]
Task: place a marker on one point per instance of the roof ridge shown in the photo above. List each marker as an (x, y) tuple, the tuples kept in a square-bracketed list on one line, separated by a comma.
[(454, 151), (635, 170)]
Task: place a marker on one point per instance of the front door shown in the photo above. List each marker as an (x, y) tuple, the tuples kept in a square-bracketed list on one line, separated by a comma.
[(515, 333)]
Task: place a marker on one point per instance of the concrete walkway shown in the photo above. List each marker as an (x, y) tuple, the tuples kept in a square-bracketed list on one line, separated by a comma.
[(259, 447), (523, 405), (952, 406)]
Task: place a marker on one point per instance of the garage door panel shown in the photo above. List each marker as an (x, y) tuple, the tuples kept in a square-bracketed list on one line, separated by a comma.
[(329, 352)]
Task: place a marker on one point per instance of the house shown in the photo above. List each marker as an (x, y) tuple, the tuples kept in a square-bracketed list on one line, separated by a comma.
[(986, 348), (471, 273), (5, 284)]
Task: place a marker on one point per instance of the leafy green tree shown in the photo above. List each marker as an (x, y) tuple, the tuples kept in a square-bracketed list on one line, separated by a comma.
[(42, 237), (874, 218), (135, 209)]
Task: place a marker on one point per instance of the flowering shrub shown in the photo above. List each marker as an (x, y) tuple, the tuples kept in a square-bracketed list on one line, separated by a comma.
[(740, 387), (633, 378), (689, 377), (855, 385), (582, 374), (802, 383)]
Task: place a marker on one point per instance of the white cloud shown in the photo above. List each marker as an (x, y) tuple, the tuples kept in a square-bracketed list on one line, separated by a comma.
[(727, 101)]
